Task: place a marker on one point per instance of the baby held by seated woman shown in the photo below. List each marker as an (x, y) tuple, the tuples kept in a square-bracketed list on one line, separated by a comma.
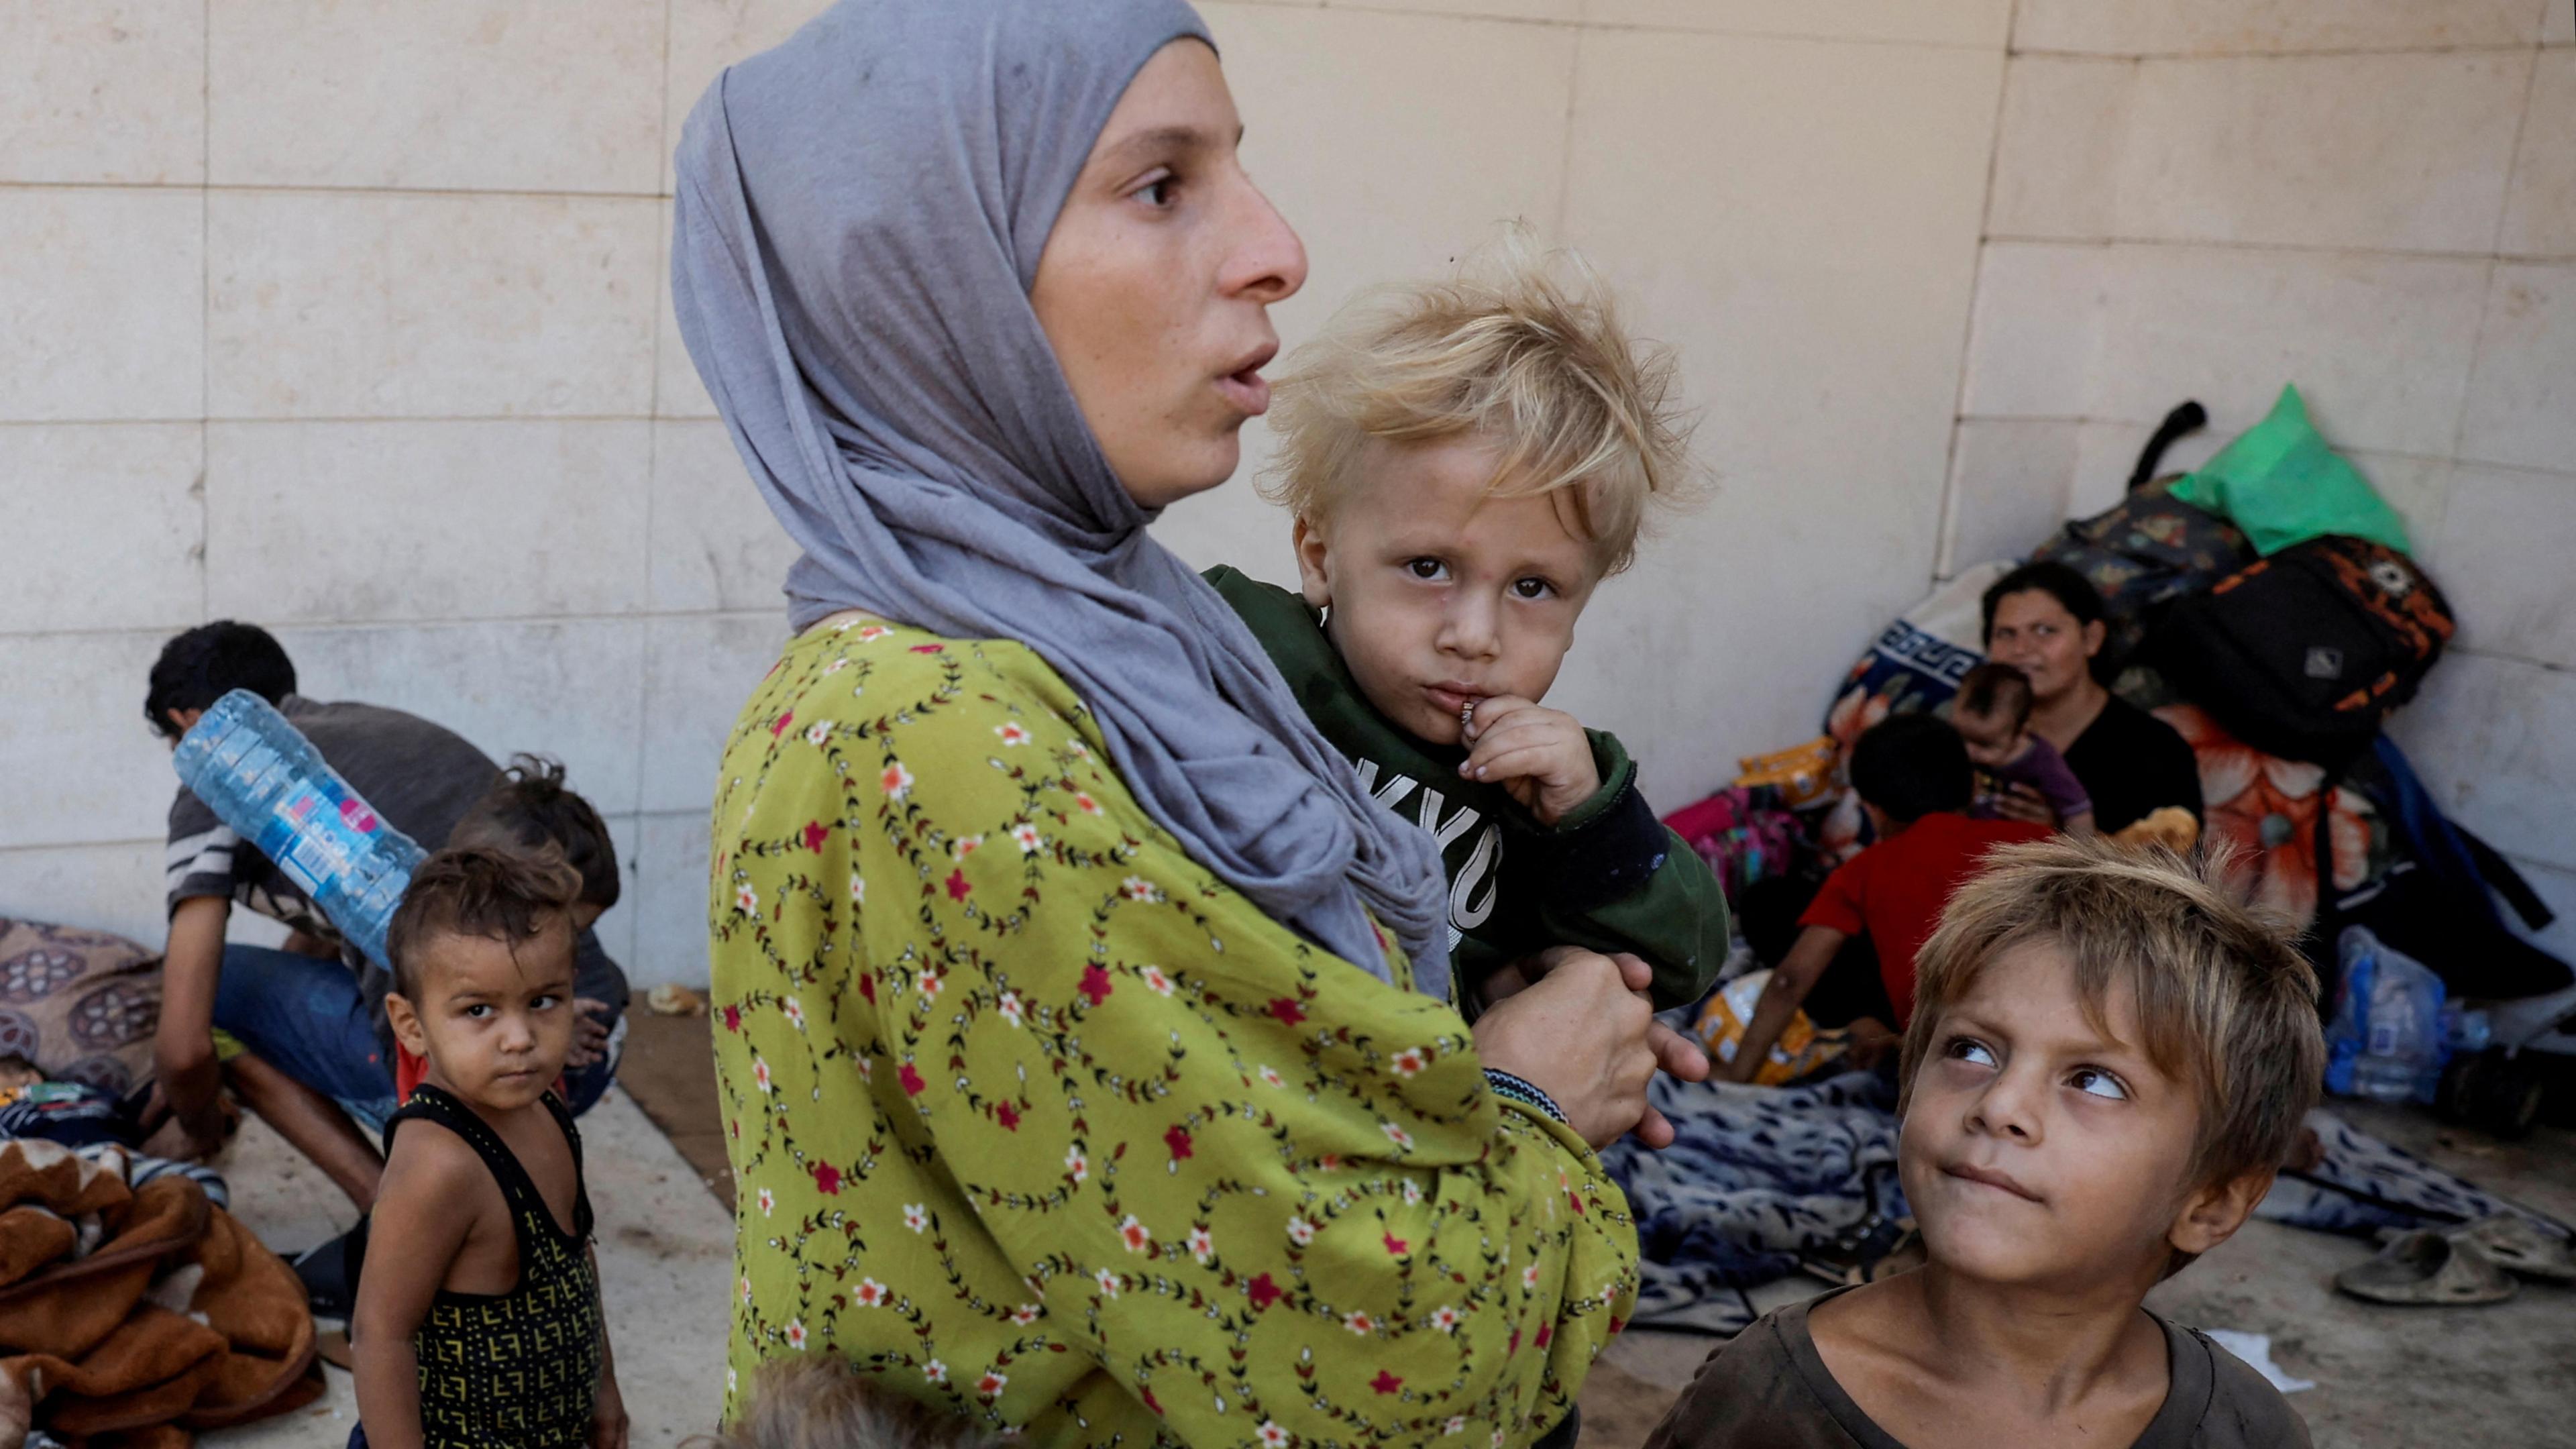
[(1992, 715)]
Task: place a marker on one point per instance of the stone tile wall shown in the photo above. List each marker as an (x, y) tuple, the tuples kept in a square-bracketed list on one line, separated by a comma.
[(2375, 199), (351, 318)]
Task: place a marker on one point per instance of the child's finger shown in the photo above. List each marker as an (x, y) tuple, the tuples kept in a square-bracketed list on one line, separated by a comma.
[(1524, 762), (1488, 712), (1536, 731)]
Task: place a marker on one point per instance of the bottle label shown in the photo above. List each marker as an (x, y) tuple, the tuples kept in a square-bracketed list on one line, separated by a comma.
[(321, 837)]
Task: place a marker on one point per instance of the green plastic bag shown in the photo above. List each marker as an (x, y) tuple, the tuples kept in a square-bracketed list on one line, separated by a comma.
[(2281, 484)]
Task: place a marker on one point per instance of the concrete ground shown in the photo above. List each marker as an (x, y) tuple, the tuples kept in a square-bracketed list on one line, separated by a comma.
[(665, 1256), (2387, 1378)]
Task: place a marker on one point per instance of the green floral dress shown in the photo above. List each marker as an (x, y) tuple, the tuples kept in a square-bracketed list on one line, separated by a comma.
[(1037, 1120)]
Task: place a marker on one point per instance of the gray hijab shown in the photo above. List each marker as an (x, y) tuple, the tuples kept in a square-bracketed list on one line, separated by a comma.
[(860, 216)]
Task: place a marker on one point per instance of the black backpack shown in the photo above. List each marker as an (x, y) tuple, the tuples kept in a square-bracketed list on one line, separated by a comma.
[(2304, 653)]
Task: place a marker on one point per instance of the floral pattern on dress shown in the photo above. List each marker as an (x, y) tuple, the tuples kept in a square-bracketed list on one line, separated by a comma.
[(1036, 1120)]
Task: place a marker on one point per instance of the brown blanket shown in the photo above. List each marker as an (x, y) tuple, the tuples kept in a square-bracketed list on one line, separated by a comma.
[(175, 1319)]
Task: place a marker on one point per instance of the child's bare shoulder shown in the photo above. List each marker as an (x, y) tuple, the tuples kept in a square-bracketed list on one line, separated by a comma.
[(428, 1162)]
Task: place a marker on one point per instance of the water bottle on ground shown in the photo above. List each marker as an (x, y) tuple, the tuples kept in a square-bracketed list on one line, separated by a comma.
[(264, 779), (2388, 1037)]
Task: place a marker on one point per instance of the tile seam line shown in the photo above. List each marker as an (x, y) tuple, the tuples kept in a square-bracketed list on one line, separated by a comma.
[(205, 308), (479, 420), (2495, 262), (2321, 249), (2342, 52), (1945, 519), (2455, 459), (1565, 145), (652, 450), (2513, 155), (28, 847), (346, 419), (2502, 656), (451, 621), (1629, 27), (212, 188)]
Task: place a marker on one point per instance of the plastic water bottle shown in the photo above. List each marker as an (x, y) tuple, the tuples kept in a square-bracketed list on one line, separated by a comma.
[(2387, 1039), (263, 778)]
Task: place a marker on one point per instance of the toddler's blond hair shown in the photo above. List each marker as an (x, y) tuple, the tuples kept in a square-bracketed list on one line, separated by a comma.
[(1512, 351), (823, 1403)]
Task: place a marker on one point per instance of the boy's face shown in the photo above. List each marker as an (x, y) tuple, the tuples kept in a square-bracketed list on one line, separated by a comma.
[(1440, 595), (495, 1025), (1991, 739), (2040, 1152)]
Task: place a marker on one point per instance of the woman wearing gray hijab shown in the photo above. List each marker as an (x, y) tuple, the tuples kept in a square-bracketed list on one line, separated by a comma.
[(1086, 1043)]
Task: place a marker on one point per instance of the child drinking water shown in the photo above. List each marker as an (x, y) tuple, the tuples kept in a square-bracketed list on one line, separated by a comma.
[(2108, 1058), (478, 1322), (1992, 716), (1466, 463)]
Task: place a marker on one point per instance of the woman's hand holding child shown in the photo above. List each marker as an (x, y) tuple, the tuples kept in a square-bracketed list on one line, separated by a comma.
[(1583, 1032)]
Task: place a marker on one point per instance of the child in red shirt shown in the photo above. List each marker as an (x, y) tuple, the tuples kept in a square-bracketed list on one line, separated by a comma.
[(1914, 779)]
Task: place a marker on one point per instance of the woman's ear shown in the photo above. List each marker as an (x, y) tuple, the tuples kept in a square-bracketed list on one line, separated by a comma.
[(2094, 635), (405, 1020), (1314, 556), (2211, 1215)]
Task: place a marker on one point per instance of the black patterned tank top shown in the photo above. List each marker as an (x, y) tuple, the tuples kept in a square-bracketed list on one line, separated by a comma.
[(515, 1370)]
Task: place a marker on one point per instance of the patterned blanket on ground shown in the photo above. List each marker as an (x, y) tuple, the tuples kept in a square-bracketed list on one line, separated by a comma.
[(2360, 1184), (1762, 1179), (1757, 1179)]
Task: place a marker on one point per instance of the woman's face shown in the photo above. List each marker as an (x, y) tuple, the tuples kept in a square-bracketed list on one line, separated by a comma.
[(2034, 633), (1157, 280)]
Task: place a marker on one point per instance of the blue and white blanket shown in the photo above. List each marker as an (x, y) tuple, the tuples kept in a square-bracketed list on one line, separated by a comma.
[(1759, 1179), (1756, 1179)]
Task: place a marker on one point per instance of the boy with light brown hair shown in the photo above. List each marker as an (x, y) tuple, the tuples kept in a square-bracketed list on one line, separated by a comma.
[(2108, 1058), (1466, 462)]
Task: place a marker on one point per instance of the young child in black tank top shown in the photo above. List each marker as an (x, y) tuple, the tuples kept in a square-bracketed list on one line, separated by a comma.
[(478, 1322)]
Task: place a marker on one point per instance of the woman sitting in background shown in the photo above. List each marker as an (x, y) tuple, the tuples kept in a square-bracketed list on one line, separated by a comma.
[(2045, 619)]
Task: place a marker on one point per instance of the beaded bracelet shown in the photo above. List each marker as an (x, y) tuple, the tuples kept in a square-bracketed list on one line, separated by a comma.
[(1521, 1091)]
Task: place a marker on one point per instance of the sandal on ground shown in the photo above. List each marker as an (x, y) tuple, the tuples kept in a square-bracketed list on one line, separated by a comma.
[(2520, 1245), (2427, 1268), (324, 1270)]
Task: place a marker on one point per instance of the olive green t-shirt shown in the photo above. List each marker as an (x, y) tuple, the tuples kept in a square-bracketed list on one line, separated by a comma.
[(1606, 877), (1770, 1389)]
